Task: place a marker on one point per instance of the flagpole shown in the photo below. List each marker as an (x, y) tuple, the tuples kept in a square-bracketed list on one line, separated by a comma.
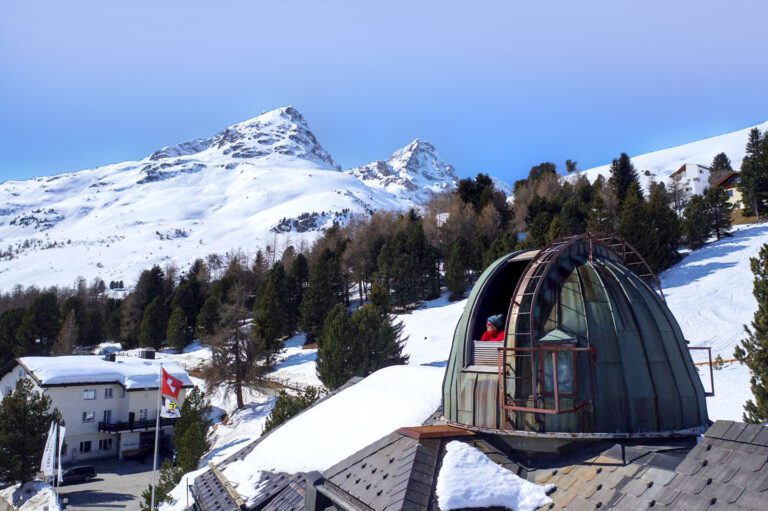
[(157, 437)]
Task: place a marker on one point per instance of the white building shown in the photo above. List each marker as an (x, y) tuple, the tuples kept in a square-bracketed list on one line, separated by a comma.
[(693, 177), (108, 404)]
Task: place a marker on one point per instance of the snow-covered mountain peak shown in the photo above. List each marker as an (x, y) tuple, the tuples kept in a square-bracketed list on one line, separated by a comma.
[(414, 173), (275, 138)]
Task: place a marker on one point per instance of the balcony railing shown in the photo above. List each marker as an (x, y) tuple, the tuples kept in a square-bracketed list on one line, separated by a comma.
[(143, 425)]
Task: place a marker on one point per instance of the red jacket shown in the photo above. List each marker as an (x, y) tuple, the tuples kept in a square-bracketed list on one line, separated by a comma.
[(490, 336)]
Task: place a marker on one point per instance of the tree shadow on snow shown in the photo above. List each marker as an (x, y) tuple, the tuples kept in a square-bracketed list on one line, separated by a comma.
[(691, 273), (297, 359)]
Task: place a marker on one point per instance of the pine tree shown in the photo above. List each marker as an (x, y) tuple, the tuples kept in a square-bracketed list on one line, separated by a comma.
[(208, 317), (336, 348), (191, 430), (154, 324), (358, 344), (10, 321), (288, 406), (40, 325), (697, 226), (68, 336), (381, 340), (665, 227), (270, 316), (296, 282), (754, 174), (324, 291), (25, 418), (719, 211), (456, 270), (379, 296), (623, 176), (177, 332), (570, 166), (720, 166), (754, 349), (168, 478), (633, 224)]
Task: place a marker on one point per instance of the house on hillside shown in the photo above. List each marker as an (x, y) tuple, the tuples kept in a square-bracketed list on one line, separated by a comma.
[(108, 404), (693, 177), (729, 182)]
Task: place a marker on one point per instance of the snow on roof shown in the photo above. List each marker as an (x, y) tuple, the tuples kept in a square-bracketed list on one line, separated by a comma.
[(343, 424), (470, 479), (130, 372)]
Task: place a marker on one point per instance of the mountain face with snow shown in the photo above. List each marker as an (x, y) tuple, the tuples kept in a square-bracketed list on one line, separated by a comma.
[(413, 173), (659, 165), (264, 181)]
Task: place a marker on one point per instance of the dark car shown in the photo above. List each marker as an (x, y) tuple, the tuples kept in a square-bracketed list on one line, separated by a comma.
[(78, 474)]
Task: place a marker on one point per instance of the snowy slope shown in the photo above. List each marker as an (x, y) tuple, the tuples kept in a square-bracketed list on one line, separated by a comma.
[(263, 181), (710, 293), (413, 173), (662, 163)]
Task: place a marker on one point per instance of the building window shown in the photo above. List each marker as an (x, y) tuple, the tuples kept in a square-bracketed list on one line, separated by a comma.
[(123, 394), (107, 416), (89, 416), (143, 414), (21, 373), (85, 446), (105, 444), (89, 394), (7, 391), (108, 393), (730, 193)]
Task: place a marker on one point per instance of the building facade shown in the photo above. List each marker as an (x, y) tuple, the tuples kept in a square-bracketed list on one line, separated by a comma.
[(693, 177), (109, 407), (730, 183)]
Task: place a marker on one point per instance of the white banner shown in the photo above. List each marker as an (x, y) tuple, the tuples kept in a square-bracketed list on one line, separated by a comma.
[(170, 409), (62, 430), (49, 453)]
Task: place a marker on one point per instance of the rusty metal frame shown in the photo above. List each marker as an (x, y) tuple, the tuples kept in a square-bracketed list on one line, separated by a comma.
[(711, 369), (536, 355)]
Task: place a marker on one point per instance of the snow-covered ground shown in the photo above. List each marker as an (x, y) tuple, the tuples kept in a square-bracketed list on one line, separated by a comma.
[(34, 496), (710, 293)]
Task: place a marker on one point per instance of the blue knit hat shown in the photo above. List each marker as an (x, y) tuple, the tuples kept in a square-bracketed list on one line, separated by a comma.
[(497, 321)]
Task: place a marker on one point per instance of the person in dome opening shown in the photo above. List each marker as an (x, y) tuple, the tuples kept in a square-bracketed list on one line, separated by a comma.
[(494, 329)]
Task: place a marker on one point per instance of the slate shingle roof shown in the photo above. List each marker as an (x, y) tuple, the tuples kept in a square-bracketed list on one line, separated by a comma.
[(727, 469)]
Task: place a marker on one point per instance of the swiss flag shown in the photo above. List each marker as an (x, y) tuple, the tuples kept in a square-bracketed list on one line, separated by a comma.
[(171, 386)]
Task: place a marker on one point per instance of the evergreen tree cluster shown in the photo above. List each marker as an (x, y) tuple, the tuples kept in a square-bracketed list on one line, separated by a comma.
[(358, 344), (754, 174)]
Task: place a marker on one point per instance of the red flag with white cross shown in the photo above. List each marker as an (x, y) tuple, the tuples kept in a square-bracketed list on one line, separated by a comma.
[(171, 386)]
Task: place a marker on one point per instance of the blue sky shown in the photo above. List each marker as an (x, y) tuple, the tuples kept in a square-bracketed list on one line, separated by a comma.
[(496, 86)]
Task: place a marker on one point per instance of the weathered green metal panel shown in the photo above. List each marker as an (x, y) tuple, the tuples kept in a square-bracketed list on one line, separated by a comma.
[(610, 393), (487, 391), (641, 394)]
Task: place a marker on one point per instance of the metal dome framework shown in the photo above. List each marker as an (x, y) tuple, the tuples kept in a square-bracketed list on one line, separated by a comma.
[(553, 374)]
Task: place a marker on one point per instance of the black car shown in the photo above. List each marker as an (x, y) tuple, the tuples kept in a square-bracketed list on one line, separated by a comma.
[(79, 474)]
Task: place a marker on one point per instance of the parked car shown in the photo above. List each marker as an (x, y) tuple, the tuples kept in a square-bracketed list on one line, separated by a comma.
[(78, 474)]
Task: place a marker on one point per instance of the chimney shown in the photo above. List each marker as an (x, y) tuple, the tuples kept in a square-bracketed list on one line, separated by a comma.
[(147, 353)]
